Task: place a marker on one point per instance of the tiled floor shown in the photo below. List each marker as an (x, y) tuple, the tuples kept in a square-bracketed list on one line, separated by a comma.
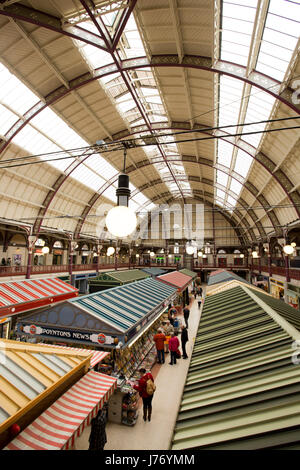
[(156, 434)]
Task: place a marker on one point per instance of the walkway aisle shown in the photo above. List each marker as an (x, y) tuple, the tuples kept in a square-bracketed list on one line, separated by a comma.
[(170, 380)]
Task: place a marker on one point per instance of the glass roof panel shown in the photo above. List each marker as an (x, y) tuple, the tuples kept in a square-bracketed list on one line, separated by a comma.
[(85, 174), (56, 129), (220, 193), (243, 163), (231, 201), (235, 186), (222, 178), (14, 93), (7, 119), (224, 153)]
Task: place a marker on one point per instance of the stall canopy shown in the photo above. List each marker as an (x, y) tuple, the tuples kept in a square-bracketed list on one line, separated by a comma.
[(218, 277), (30, 373), (176, 279), (21, 296), (188, 272), (106, 318), (154, 271), (58, 427), (116, 278), (242, 386), (97, 356)]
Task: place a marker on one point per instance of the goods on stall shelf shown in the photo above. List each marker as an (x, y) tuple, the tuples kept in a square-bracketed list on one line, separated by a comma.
[(122, 406), (129, 408), (141, 354)]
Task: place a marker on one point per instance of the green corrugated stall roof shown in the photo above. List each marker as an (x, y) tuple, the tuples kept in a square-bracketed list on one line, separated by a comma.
[(154, 271), (120, 277), (286, 311), (188, 273), (242, 386)]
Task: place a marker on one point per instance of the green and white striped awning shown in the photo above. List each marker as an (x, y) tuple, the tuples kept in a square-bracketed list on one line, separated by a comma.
[(123, 306), (242, 387)]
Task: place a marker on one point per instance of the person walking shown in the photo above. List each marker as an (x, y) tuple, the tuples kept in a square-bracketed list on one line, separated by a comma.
[(171, 313), (173, 346), (142, 389), (186, 314), (97, 438), (159, 340), (184, 340)]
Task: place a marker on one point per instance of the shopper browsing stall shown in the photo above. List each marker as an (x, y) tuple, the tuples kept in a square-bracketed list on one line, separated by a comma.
[(173, 346), (159, 340), (146, 397)]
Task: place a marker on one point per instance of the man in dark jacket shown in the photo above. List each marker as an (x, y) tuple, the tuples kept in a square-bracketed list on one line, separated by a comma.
[(184, 340), (186, 314)]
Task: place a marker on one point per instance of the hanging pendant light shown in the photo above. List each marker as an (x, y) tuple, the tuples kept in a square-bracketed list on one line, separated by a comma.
[(121, 221)]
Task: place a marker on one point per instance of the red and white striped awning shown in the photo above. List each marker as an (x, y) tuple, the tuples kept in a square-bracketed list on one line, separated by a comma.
[(20, 296), (98, 356), (58, 427)]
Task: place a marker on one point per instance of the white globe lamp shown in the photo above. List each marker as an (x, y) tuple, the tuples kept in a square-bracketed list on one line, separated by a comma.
[(45, 250), (190, 250), (121, 221), (110, 251), (254, 254), (288, 249), (200, 254), (152, 254), (242, 255)]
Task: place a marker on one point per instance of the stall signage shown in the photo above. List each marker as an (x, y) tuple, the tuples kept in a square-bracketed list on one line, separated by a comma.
[(98, 338)]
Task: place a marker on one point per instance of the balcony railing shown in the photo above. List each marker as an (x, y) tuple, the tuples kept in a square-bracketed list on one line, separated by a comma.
[(279, 270), (7, 271)]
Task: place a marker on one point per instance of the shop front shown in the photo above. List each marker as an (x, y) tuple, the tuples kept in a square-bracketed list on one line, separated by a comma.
[(293, 296), (276, 288), (118, 320)]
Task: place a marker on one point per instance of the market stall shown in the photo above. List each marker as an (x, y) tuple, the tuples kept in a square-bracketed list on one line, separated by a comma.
[(81, 281), (21, 296), (154, 272), (242, 374), (181, 282), (116, 278), (58, 426), (32, 377), (188, 272), (120, 320), (222, 276)]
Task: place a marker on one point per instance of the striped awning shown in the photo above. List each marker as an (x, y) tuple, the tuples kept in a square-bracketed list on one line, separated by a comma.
[(176, 279), (98, 356), (58, 426), (124, 306), (20, 296)]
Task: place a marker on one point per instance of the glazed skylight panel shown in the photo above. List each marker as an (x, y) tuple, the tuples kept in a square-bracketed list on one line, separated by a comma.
[(7, 119), (242, 163), (281, 32), (237, 23), (237, 26), (259, 108), (14, 93)]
